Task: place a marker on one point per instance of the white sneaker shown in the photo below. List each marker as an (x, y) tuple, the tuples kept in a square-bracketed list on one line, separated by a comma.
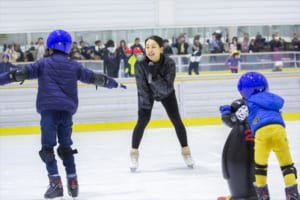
[(186, 154), (134, 158)]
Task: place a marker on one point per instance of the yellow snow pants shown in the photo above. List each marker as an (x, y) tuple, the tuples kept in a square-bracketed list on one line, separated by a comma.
[(272, 138)]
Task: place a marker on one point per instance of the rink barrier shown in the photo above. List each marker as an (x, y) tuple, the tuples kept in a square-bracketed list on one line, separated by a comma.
[(110, 126), (199, 98)]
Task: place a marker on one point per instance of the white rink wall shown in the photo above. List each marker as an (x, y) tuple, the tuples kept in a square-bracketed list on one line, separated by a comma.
[(198, 97)]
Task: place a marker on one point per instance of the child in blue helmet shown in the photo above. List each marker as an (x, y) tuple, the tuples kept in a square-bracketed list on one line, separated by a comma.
[(268, 128), (57, 101)]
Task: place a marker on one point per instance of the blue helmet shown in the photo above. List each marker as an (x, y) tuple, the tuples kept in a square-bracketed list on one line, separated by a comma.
[(252, 83), (5, 55), (60, 40)]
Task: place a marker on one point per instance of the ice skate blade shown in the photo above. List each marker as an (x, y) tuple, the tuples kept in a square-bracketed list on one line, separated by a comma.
[(72, 197), (55, 198), (191, 166), (133, 170)]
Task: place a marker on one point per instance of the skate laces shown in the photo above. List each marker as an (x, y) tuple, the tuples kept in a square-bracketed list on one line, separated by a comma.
[(55, 182)]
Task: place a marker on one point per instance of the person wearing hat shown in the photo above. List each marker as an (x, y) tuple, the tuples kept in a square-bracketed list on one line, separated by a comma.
[(234, 61)]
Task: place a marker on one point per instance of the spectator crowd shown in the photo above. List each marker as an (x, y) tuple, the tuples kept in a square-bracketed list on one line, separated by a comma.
[(124, 55)]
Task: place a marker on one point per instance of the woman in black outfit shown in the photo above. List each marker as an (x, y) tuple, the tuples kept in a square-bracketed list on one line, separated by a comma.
[(155, 76)]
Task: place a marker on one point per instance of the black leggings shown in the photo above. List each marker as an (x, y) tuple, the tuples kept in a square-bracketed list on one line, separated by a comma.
[(194, 66), (144, 115)]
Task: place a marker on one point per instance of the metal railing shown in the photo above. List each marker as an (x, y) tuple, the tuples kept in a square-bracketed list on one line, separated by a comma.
[(250, 61), (215, 62)]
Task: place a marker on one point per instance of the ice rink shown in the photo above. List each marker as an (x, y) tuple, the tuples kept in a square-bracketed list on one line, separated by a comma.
[(103, 172)]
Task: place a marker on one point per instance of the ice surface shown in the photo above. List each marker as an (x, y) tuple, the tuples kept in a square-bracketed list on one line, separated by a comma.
[(103, 172)]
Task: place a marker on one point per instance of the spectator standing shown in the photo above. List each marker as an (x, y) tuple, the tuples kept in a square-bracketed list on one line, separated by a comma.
[(296, 42), (253, 47), (85, 51), (4, 47), (40, 49), (29, 54), (234, 45), (196, 56), (111, 59), (275, 45), (181, 45), (182, 49), (127, 67), (20, 53), (260, 41), (219, 41), (213, 46), (121, 55), (167, 48), (75, 53), (98, 50), (137, 55), (245, 43), (13, 55), (137, 43), (296, 46)]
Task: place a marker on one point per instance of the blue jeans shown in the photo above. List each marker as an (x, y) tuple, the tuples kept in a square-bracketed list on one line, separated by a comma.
[(57, 126)]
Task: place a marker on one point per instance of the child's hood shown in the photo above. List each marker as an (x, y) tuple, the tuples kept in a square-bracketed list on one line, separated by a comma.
[(267, 100)]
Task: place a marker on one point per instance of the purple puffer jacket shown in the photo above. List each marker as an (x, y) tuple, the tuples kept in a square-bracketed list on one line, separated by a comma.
[(57, 82)]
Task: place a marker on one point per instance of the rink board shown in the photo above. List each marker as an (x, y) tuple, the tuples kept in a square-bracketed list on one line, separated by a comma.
[(199, 98)]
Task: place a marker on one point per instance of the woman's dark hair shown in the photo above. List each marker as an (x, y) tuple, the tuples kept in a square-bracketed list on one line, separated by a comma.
[(110, 43), (122, 41), (157, 39), (197, 37)]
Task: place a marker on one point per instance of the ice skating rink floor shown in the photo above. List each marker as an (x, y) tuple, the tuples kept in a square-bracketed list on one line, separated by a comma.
[(103, 172)]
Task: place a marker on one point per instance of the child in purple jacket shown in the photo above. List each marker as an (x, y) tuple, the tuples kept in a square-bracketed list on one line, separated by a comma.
[(57, 101)]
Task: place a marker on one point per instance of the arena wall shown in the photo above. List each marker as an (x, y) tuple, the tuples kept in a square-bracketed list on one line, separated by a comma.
[(19, 16)]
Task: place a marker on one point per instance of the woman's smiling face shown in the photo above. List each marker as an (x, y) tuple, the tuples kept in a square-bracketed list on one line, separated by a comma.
[(153, 50)]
